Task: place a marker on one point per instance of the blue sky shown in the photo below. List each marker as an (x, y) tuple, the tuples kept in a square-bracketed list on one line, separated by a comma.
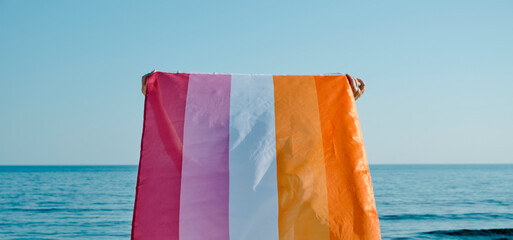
[(439, 87)]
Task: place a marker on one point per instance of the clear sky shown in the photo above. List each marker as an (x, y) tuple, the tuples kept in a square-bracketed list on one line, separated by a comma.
[(438, 73)]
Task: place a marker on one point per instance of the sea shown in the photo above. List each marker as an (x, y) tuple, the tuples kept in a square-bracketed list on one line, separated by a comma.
[(413, 201)]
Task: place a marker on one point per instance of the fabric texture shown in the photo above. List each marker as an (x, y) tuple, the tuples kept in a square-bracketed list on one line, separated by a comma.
[(235, 156)]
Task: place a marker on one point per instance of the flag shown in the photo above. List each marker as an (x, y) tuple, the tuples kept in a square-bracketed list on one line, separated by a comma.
[(235, 156)]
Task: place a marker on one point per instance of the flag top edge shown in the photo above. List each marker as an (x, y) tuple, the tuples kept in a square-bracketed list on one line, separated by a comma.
[(252, 74)]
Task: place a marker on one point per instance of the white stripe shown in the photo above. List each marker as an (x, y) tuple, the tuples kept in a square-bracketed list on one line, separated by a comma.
[(253, 184)]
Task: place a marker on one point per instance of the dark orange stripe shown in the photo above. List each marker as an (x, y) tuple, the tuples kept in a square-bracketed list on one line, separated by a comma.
[(352, 211), (303, 203)]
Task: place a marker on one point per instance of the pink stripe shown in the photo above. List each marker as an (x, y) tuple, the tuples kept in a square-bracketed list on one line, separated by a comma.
[(205, 176), (157, 201)]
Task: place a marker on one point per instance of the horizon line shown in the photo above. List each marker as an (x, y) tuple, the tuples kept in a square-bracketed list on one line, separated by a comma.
[(114, 165)]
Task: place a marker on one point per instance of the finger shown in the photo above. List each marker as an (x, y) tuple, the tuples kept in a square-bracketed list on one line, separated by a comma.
[(362, 86), (143, 80), (355, 87), (145, 76), (358, 94), (361, 82), (352, 82), (143, 87), (148, 74), (361, 89)]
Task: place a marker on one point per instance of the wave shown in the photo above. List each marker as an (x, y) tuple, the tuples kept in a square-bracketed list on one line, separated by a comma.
[(447, 216), (498, 232), (44, 210), (495, 202)]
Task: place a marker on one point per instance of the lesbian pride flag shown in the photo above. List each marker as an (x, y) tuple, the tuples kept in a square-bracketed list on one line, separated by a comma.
[(232, 156)]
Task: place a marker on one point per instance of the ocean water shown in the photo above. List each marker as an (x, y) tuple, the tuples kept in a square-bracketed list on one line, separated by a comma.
[(444, 201), (413, 201)]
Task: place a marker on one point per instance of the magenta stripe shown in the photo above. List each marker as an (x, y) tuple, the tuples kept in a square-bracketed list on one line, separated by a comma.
[(157, 201), (205, 177)]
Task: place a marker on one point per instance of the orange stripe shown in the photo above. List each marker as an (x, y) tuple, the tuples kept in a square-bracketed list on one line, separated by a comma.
[(302, 196), (350, 197)]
